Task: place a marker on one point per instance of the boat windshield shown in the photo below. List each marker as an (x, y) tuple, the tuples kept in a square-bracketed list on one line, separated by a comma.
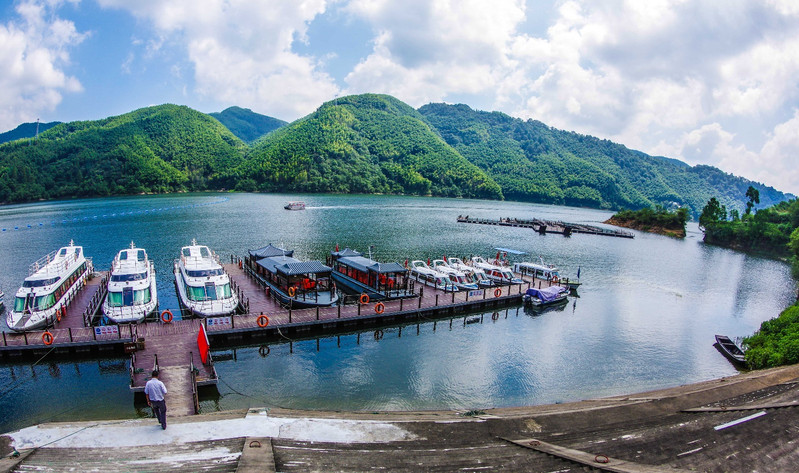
[(507, 275), (39, 282), (128, 277), (209, 292), (129, 298), (40, 303), (202, 273)]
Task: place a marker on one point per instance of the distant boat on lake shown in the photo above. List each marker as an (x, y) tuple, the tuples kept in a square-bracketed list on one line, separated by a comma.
[(295, 205)]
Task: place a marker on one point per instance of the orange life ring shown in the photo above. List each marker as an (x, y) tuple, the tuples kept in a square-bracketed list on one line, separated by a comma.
[(47, 338), (555, 279), (380, 307), (166, 316), (292, 291), (497, 292), (364, 298), (263, 321)]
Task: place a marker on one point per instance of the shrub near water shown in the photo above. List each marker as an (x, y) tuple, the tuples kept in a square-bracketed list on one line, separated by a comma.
[(777, 341)]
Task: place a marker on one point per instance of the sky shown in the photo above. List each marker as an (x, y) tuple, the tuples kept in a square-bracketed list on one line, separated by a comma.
[(706, 82)]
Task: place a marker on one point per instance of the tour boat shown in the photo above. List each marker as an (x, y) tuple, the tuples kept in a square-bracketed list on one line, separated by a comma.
[(477, 275), (456, 276), (545, 296), (51, 283), (430, 277), (498, 274), (203, 286), (355, 273), (544, 272), (298, 284), (296, 205), (132, 294)]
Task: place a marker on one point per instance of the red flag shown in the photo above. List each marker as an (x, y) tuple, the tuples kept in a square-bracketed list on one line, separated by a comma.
[(445, 258), (406, 265), (203, 345), (336, 247), (428, 261)]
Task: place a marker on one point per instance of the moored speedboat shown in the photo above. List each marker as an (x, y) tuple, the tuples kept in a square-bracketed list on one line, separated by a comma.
[(499, 274), (51, 282), (203, 285), (477, 275), (355, 273), (457, 277), (545, 296), (132, 293), (544, 272), (299, 284), (430, 277)]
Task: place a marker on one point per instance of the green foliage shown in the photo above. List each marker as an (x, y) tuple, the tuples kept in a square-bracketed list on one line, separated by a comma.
[(534, 162), (770, 230), (26, 130), (364, 144), (656, 217), (246, 124), (777, 341), (166, 148), (752, 198)]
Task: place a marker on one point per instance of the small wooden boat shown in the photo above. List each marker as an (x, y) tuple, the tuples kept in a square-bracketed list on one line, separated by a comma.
[(729, 349)]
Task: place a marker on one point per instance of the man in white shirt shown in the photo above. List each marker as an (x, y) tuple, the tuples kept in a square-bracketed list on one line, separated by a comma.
[(154, 391)]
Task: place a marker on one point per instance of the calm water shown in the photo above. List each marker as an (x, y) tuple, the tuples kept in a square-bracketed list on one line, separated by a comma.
[(645, 317)]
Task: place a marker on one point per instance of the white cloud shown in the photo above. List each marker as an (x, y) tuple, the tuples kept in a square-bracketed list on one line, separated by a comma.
[(34, 51), (241, 50)]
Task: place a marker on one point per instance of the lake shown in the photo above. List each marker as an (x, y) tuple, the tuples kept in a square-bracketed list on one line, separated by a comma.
[(644, 319)]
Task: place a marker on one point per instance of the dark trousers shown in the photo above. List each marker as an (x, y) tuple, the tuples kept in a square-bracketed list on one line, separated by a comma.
[(159, 409)]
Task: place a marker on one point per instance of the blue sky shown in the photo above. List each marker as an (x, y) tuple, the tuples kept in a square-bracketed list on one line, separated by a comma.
[(703, 81)]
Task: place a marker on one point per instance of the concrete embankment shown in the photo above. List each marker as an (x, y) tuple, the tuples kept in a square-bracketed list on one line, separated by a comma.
[(742, 423)]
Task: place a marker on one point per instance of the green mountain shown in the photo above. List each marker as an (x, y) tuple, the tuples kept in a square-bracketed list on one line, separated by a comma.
[(363, 144), (166, 148), (534, 162), (25, 130), (246, 124)]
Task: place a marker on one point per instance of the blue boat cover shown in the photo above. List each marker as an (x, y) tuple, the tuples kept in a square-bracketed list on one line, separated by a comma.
[(546, 294), (269, 251)]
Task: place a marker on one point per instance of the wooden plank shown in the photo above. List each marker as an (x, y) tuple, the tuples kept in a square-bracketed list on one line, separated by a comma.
[(179, 399), (598, 461)]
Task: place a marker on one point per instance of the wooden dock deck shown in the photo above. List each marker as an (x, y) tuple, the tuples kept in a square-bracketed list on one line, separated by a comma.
[(548, 226), (173, 347)]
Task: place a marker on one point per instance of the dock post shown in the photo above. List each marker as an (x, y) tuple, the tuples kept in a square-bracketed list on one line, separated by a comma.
[(232, 321), (26, 337), (436, 300), (339, 311), (5, 342), (484, 294), (453, 297), (420, 300), (289, 314), (400, 332), (359, 310), (94, 334), (70, 334), (467, 296), (401, 298), (317, 312)]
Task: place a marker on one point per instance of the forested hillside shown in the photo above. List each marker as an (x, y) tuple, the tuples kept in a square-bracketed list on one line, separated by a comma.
[(246, 124), (358, 144), (156, 149), (365, 144), (25, 130), (534, 162)]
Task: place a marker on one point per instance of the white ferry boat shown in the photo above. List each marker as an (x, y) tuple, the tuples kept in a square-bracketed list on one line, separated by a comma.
[(51, 283), (457, 277), (132, 292), (498, 274), (546, 272), (477, 275), (428, 276), (203, 286)]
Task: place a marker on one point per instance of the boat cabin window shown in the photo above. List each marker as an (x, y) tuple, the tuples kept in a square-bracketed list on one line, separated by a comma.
[(39, 282), (204, 252), (186, 252), (140, 255), (202, 273), (123, 255), (128, 277), (63, 252)]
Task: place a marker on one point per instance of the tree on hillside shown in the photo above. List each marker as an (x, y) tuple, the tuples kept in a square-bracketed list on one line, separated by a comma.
[(712, 213), (753, 196)]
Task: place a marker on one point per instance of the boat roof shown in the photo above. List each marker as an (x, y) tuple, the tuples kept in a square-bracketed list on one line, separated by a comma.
[(292, 267), (54, 263), (130, 260), (365, 264), (269, 251), (509, 251), (346, 253)]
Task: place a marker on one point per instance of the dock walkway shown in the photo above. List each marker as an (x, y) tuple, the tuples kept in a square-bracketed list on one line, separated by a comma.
[(548, 226)]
